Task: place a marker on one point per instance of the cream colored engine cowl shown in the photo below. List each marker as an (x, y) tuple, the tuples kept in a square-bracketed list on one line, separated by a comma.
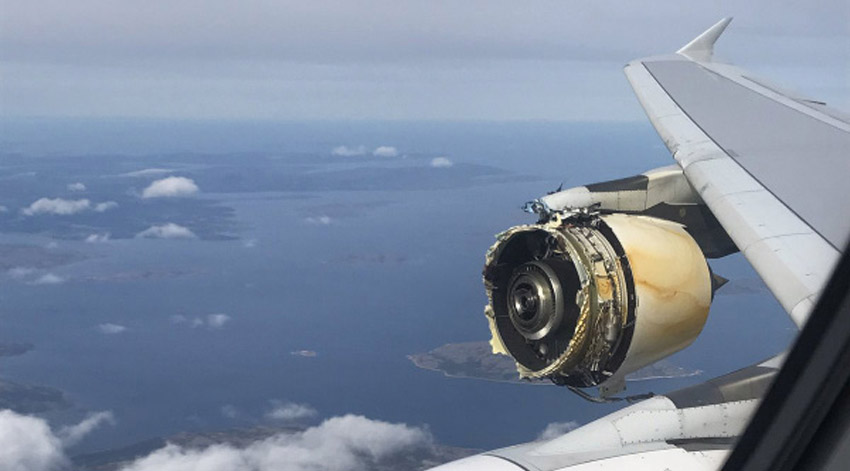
[(672, 286), (586, 299)]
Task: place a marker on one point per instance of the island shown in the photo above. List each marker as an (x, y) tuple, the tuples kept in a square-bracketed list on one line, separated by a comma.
[(476, 360)]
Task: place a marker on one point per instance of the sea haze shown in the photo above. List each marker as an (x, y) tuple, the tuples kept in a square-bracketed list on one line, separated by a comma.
[(306, 264)]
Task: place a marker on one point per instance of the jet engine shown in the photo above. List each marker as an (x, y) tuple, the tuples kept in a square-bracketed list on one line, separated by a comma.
[(584, 299)]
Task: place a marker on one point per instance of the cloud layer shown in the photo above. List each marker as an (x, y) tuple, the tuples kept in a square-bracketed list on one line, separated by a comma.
[(110, 328), (345, 151), (58, 206), (347, 443), (171, 187), (167, 231), (290, 412), (49, 279), (73, 434), (28, 443), (385, 151), (212, 321), (441, 162), (63, 207)]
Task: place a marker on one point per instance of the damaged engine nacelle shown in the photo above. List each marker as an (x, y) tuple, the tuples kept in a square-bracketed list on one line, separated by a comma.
[(584, 299)]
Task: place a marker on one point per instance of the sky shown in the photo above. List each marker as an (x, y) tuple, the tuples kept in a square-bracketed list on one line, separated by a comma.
[(389, 60)]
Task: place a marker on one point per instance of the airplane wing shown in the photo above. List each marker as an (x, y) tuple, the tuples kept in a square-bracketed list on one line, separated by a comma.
[(759, 170), (769, 165)]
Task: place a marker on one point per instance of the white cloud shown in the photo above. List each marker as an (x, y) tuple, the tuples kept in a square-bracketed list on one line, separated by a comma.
[(76, 186), (166, 231), (20, 272), (57, 206), (385, 151), (304, 353), (249, 243), (170, 187), (148, 172), (95, 238), (212, 321), (109, 328), (348, 443), (28, 443), (105, 206), (49, 279), (217, 321), (345, 151), (290, 411), (556, 429), (3, 209), (73, 434), (441, 162), (63, 207), (321, 220)]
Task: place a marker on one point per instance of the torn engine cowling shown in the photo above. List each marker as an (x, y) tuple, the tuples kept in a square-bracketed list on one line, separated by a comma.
[(584, 299)]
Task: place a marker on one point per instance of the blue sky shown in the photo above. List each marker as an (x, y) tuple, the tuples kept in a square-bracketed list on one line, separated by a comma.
[(381, 59)]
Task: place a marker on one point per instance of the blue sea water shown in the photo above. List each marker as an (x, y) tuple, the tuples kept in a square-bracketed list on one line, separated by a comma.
[(362, 259)]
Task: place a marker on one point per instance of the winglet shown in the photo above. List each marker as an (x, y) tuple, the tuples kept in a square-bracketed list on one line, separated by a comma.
[(702, 47)]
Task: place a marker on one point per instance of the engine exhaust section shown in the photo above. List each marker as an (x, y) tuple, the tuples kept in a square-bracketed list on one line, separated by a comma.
[(584, 299)]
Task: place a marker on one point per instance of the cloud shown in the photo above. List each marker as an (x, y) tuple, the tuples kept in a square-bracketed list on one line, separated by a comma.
[(441, 162), (347, 443), (290, 412), (49, 279), (249, 243), (105, 206), (3, 209), (304, 353), (148, 172), (96, 238), (20, 272), (385, 151), (170, 187), (166, 231), (57, 206), (556, 429), (76, 187), (63, 207), (28, 443), (345, 151), (111, 328), (321, 220), (217, 321), (73, 434), (212, 321)]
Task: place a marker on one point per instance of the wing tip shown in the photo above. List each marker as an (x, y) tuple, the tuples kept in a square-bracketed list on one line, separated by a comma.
[(701, 48)]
